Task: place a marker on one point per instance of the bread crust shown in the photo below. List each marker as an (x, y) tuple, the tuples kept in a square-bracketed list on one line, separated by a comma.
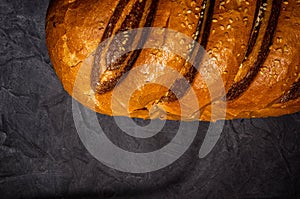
[(74, 30)]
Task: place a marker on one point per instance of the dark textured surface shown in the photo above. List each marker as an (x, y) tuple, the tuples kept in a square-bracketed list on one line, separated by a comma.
[(41, 155)]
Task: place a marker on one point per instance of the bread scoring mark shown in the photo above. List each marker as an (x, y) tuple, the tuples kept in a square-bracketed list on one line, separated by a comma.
[(259, 52), (130, 22), (259, 15), (114, 19), (293, 93), (208, 11), (140, 14), (201, 35)]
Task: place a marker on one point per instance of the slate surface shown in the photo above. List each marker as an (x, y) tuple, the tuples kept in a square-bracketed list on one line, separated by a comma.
[(41, 155)]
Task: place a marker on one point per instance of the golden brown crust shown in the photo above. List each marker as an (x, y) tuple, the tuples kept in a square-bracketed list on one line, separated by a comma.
[(75, 28)]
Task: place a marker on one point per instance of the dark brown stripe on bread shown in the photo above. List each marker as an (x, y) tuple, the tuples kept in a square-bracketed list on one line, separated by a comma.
[(293, 93), (239, 87), (129, 23), (113, 19), (208, 10), (201, 35), (140, 15), (259, 14)]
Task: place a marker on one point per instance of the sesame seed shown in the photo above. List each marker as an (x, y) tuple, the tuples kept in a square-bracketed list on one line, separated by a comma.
[(193, 3), (245, 19), (279, 50), (285, 48), (262, 73), (276, 61), (121, 48), (279, 40)]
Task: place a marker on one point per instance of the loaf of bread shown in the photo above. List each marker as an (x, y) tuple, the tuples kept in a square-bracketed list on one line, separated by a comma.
[(254, 45)]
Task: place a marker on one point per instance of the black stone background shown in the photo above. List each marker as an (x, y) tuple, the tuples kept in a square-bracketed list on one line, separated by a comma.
[(41, 155)]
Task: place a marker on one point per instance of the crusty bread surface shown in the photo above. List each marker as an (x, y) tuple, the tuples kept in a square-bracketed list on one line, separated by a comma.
[(258, 61)]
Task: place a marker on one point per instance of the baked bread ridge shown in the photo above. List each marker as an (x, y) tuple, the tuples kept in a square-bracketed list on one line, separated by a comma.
[(75, 28)]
